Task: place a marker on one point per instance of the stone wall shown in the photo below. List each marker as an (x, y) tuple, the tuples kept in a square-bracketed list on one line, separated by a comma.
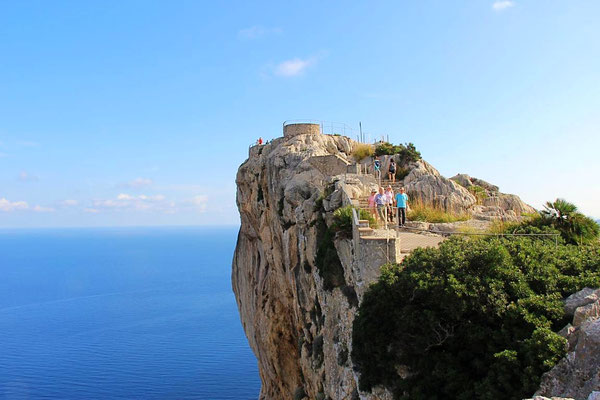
[(301, 129)]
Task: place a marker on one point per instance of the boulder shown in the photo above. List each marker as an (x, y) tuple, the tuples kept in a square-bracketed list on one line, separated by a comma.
[(581, 298), (577, 375)]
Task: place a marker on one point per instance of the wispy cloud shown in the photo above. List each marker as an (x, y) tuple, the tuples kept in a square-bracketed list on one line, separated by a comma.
[(501, 5), (128, 202), (69, 203), (9, 206), (39, 208), (137, 183), (149, 203), (294, 67), (256, 31), (24, 176), (199, 202)]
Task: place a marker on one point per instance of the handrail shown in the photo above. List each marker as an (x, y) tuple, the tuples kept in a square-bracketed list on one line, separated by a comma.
[(355, 217)]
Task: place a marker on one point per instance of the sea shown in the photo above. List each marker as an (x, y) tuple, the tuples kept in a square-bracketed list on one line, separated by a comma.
[(121, 313)]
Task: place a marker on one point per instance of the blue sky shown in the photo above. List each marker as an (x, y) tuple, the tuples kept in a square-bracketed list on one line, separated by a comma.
[(140, 112)]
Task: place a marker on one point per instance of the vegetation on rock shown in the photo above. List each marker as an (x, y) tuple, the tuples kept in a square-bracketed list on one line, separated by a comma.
[(342, 220), (407, 152), (479, 193), (427, 213), (473, 319), (560, 217), (362, 151)]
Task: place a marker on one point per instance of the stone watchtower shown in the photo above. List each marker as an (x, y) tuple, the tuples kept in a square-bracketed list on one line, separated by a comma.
[(292, 129)]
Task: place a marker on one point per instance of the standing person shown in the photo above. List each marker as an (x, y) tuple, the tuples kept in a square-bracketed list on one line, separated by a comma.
[(377, 168), (389, 197), (381, 202), (401, 202), (392, 171), (260, 141), (372, 205)]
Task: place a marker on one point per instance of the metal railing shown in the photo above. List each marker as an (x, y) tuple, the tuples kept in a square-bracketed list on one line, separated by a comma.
[(327, 127), (393, 225)]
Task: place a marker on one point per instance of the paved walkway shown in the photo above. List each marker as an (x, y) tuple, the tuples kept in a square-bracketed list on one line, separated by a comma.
[(410, 241)]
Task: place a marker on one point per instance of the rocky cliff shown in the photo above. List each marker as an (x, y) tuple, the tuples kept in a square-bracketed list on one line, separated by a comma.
[(297, 286)]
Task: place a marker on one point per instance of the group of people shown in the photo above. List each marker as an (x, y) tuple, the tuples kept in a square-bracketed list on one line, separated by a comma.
[(385, 206)]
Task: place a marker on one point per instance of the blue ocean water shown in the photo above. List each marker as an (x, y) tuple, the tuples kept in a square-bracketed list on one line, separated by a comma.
[(132, 313)]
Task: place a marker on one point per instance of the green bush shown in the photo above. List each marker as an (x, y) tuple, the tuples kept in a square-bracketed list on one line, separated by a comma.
[(342, 220), (473, 319), (407, 153), (327, 260), (401, 173), (479, 193), (561, 217)]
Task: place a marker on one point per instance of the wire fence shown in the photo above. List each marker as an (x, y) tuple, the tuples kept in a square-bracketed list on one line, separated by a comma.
[(340, 128), (394, 225)]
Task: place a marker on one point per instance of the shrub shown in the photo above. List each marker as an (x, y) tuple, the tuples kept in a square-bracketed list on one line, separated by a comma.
[(479, 193), (427, 213), (407, 153), (559, 217), (401, 173), (327, 260), (473, 319), (574, 226), (362, 151), (385, 149), (342, 220)]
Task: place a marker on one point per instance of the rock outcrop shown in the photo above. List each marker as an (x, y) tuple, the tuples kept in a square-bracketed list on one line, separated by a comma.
[(299, 331), (296, 286), (578, 374)]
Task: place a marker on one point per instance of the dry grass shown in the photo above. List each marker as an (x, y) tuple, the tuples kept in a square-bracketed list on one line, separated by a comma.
[(362, 150), (427, 213)]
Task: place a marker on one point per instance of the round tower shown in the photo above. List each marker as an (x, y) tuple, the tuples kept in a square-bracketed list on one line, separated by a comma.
[(295, 129)]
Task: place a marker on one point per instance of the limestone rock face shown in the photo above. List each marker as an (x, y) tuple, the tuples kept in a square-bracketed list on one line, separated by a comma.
[(426, 184), (299, 331), (578, 374)]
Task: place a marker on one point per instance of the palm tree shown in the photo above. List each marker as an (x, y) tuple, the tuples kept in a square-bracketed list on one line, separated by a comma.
[(573, 225), (560, 212)]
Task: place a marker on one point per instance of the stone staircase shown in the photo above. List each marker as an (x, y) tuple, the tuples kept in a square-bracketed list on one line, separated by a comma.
[(364, 230), (363, 202)]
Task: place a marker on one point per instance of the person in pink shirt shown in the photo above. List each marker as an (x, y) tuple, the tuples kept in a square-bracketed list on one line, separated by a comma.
[(372, 205)]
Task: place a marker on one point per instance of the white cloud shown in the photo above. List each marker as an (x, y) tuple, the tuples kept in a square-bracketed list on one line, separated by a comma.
[(257, 31), (140, 202), (8, 206), (39, 208), (91, 210), (24, 176), (69, 203), (294, 67), (137, 183), (198, 202), (502, 5)]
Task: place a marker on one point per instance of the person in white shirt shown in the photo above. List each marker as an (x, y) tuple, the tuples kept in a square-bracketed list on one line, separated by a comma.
[(389, 197)]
